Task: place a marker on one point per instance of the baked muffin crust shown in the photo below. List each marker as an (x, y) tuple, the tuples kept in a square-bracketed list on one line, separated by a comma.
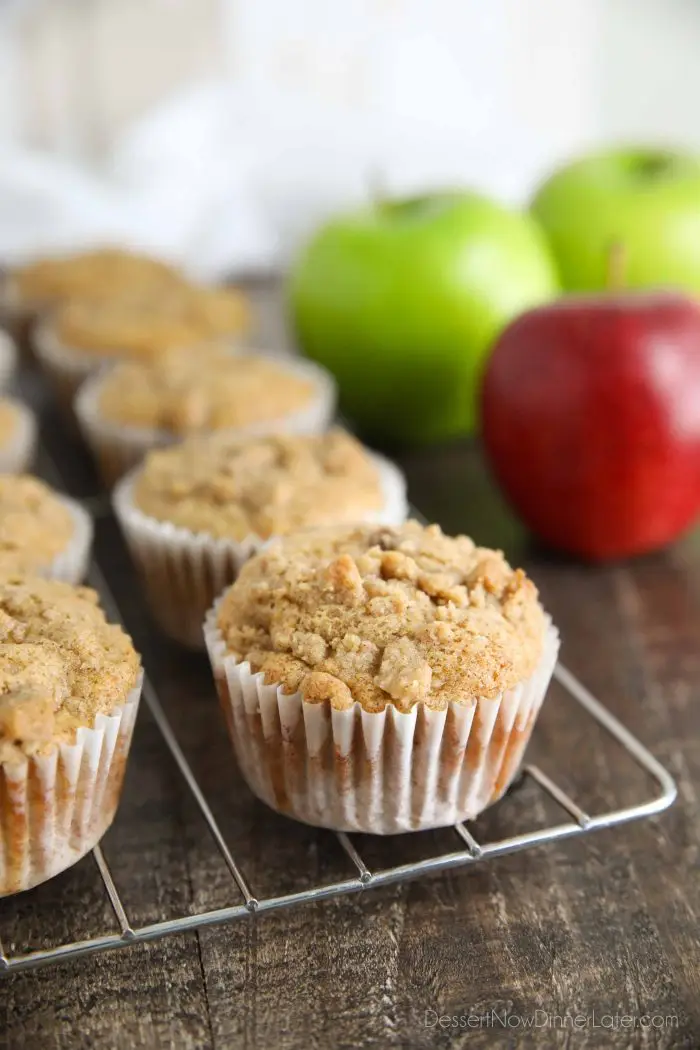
[(231, 488), (35, 526), (103, 271), (146, 322), (201, 390), (384, 616), (61, 663)]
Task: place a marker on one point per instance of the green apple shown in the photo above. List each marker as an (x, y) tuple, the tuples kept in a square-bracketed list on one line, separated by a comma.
[(645, 200), (402, 300)]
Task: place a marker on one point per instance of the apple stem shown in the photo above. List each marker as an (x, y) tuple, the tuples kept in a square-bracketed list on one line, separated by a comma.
[(616, 267)]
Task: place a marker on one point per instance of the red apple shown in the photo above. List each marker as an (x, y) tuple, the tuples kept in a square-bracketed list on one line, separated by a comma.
[(591, 421)]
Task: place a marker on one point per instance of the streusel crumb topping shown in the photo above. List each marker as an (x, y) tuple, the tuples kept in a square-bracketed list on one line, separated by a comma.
[(61, 663), (383, 616), (9, 419), (105, 271), (35, 525), (189, 390), (232, 488), (146, 322)]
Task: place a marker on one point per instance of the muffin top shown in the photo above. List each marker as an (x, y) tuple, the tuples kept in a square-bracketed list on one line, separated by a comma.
[(231, 488), (9, 418), (205, 389), (384, 616), (103, 271), (148, 321), (35, 525), (61, 663)]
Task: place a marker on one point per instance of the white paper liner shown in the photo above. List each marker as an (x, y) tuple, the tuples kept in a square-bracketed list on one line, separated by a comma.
[(381, 773), (17, 315), (65, 368), (18, 454), (54, 808), (8, 359), (184, 572), (15, 312), (118, 447), (72, 563), (13, 308)]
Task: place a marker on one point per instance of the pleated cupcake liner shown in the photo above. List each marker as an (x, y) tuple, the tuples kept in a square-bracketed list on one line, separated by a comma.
[(13, 306), (71, 564), (118, 447), (17, 317), (65, 368), (8, 359), (115, 449), (18, 454), (184, 572), (384, 772), (55, 807)]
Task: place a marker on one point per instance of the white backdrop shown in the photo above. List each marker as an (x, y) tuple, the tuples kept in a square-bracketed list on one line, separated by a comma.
[(219, 131)]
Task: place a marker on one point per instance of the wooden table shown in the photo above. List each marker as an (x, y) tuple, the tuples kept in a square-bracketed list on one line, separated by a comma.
[(599, 926)]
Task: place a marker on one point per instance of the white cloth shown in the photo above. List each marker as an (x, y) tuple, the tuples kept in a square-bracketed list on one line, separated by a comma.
[(219, 183)]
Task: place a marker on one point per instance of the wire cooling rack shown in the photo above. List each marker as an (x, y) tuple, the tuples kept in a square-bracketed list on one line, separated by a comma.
[(468, 850)]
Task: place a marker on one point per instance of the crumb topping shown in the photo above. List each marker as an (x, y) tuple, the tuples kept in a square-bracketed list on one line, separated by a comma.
[(103, 271), (232, 488), (34, 525), (61, 663), (186, 391), (9, 418), (146, 322), (399, 615)]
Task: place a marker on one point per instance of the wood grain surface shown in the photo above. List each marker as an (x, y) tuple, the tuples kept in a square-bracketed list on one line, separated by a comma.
[(604, 928)]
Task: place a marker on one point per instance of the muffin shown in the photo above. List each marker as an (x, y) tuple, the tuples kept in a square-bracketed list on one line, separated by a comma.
[(137, 406), (18, 433), (27, 291), (69, 693), (8, 359), (41, 532), (194, 513), (380, 679), (30, 289), (81, 335)]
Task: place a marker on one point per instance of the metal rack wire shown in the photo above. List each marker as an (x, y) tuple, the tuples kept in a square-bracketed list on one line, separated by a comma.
[(467, 850)]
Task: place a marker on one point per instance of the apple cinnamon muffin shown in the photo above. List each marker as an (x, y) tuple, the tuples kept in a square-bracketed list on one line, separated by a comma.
[(69, 691), (137, 406), (82, 334), (41, 531), (18, 433), (380, 679), (193, 513), (144, 324), (27, 291), (44, 282)]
